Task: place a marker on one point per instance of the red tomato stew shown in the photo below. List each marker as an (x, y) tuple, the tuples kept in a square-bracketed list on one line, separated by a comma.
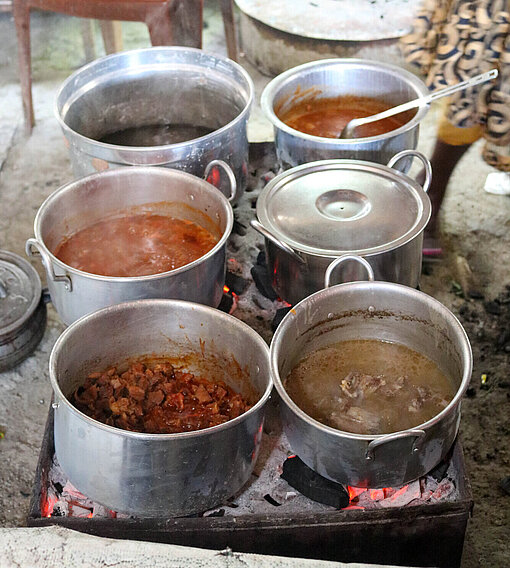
[(135, 245), (157, 400), (327, 117)]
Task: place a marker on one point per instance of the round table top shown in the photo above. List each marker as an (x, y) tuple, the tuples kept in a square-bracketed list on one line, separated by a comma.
[(340, 20)]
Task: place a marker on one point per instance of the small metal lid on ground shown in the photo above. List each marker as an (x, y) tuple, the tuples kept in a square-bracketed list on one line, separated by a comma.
[(22, 311)]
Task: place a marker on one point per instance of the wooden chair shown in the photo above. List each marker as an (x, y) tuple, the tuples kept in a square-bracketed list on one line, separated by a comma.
[(170, 22)]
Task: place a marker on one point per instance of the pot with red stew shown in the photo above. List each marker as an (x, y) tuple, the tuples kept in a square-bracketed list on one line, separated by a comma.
[(159, 406), (309, 105), (130, 234)]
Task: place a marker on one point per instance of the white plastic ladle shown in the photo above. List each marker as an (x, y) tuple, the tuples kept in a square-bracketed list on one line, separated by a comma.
[(348, 131)]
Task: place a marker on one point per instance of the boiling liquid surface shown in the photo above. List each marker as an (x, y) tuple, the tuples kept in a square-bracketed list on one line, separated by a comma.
[(327, 117), (135, 245), (369, 387), (155, 135)]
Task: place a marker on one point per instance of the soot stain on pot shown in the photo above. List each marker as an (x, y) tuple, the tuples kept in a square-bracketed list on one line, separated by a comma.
[(365, 314)]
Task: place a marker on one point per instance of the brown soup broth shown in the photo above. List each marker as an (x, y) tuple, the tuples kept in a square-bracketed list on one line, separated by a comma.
[(327, 117), (135, 245), (369, 386)]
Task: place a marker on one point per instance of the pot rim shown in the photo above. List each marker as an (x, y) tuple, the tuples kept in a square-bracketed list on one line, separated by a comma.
[(139, 304), (272, 88), (145, 170), (337, 164), (85, 141), (351, 287)]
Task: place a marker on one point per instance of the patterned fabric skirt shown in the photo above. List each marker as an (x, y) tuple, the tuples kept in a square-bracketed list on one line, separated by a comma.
[(451, 41)]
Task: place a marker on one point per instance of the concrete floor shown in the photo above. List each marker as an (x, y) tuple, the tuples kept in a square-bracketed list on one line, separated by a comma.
[(475, 224)]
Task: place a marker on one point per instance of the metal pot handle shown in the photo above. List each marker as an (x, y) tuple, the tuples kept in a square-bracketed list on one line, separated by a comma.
[(418, 435), (340, 260), (230, 174), (280, 244), (45, 259), (422, 158)]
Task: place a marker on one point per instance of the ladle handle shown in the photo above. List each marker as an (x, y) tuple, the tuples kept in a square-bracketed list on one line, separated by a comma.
[(476, 80), (230, 174), (340, 260), (420, 101)]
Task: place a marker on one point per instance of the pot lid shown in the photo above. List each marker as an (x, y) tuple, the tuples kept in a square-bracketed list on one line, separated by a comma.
[(336, 206), (20, 291)]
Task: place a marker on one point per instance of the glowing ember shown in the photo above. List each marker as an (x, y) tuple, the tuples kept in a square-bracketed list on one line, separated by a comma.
[(48, 505)]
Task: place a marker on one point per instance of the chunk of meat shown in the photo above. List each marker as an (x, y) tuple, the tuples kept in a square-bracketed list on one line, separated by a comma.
[(157, 400)]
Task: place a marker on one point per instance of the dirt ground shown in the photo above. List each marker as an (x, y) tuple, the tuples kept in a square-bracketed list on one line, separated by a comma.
[(485, 424)]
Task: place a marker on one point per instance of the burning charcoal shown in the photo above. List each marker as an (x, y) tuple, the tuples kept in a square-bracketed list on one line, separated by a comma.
[(239, 228), (236, 283), (440, 470), (297, 474), (505, 485), (263, 282), (267, 177), (261, 258), (227, 301), (403, 496), (280, 314), (269, 499), (257, 303), (443, 491)]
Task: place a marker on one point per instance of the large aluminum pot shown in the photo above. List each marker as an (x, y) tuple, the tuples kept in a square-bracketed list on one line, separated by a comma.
[(314, 213), (159, 474), (164, 191), (329, 78), (371, 310), (157, 86)]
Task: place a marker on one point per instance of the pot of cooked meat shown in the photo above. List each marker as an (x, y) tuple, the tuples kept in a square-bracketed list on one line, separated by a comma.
[(371, 377), (133, 233), (314, 213), (163, 106), (159, 406), (309, 106)]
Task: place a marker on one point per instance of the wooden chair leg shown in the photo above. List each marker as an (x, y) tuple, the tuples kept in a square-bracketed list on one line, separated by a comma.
[(176, 22), (112, 35), (21, 13), (87, 33), (227, 11)]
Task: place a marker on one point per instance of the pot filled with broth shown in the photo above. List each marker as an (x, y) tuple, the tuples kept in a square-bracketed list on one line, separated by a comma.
[(133, 233), (371, 376), (309, 105)]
